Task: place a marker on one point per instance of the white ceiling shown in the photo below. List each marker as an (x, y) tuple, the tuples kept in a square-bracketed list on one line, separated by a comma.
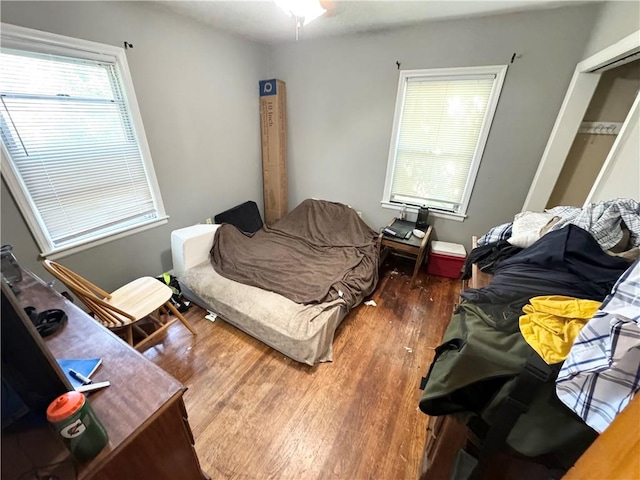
[(265, 22)]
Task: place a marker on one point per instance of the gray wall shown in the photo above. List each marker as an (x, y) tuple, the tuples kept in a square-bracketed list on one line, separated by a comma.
[(616, 20), (197, 90), (198, 97), (341, 95)]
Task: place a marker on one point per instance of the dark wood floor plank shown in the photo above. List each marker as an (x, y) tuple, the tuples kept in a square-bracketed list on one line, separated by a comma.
[(257, 414)]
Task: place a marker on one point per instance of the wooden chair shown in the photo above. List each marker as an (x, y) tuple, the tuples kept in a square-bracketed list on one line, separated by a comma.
[(124, 307)]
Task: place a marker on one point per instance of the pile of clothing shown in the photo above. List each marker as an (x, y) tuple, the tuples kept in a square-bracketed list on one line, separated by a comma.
[(541, 298), (615, 224), (601, 373)]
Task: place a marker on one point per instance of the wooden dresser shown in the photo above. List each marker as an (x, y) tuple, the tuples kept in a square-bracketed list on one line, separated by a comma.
[(143, 409), (445, 434)]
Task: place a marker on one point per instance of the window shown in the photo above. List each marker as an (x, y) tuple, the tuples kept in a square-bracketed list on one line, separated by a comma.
[(441, 125), (74, 150)]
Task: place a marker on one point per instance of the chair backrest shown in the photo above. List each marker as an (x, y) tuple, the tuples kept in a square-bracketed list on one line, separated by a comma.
[(90, 294)]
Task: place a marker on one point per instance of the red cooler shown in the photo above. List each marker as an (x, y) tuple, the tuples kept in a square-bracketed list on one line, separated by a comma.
[(446, 259)]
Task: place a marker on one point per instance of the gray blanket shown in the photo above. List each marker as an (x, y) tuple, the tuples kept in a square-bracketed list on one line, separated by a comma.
[(319, 252)]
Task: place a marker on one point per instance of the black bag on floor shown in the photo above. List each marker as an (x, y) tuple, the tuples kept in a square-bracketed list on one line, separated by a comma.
[(178, 300)]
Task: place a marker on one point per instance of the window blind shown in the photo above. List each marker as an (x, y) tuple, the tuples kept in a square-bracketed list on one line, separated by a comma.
[(66, 127), (439, 132)]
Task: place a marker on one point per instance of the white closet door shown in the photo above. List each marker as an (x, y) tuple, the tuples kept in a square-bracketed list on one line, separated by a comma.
[(620, 173)]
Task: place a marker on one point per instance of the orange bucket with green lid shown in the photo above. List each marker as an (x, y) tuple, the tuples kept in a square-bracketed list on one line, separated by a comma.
[(76, 422)]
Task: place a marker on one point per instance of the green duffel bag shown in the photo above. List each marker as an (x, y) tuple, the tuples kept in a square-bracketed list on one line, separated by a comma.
[(471, 365), (473, 372)]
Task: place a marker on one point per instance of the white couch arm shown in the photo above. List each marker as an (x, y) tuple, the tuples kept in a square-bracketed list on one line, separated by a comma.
[(190, 246)]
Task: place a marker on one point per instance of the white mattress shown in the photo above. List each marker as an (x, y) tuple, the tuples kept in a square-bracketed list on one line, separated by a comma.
[(302, 332)]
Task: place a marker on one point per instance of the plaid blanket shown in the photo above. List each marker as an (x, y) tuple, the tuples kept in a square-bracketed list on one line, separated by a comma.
[(603, 220), (500, 232), (602, 372)]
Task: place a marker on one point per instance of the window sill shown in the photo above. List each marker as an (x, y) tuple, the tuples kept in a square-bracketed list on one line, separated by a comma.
[(458, 217), (67, 250)]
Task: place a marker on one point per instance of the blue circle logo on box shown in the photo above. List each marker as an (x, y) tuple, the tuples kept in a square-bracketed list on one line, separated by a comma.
[(267, 87)]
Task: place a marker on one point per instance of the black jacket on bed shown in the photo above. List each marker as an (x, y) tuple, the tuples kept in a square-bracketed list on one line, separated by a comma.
[(567, 262)]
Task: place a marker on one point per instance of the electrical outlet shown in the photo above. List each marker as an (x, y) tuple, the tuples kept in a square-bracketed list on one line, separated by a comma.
[(208, 221)]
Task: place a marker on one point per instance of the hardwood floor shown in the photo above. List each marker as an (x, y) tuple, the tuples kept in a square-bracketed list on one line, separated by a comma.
[(256, 414)]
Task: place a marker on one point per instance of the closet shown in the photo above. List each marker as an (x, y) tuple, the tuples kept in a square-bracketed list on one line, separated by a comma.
[(588, 174)]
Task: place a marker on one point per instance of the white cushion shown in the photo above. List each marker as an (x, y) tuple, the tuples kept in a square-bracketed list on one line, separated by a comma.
[(190, 246), (527, 227)]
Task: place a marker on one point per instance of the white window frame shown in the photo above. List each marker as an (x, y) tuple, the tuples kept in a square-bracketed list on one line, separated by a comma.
[(500, 72), (34, 40)]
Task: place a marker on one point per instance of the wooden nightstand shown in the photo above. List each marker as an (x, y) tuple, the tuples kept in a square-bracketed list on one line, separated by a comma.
[(411, 246)]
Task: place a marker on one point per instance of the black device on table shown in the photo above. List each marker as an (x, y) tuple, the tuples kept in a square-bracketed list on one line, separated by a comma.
[(422, 222), (400, 229)]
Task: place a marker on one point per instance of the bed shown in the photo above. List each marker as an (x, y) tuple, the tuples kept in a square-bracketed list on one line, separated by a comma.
[(495, 370), (289, 285)]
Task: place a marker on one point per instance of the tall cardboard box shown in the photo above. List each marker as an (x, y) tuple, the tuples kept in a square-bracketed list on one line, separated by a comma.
[(273, 126)]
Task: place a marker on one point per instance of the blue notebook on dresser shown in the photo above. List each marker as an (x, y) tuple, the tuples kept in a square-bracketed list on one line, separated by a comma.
[(84, 366)]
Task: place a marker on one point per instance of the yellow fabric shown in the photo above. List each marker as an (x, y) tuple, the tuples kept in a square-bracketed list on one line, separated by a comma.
[(551, 324)]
